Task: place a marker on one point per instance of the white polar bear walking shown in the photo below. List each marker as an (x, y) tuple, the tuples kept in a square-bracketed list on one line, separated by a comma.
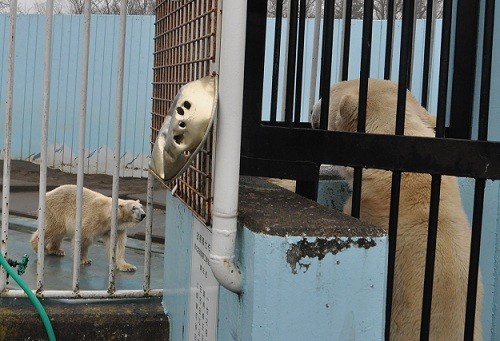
[(60, 217)]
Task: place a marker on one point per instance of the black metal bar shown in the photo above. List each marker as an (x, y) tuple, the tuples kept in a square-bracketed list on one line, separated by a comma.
[(391, 262), (430, 257), (475, 159), (276, 59), (475, 248), (477, 215), (404, 63), (389, 40), (356, 192), (300, 61), (444, 66), (427, 53), (366, 41), (346, 47), (302, 171), (253, 81), (484, 99), (436, 179), (326, 61), (291, 62), (464, 64), (307, 189), (405, 53)]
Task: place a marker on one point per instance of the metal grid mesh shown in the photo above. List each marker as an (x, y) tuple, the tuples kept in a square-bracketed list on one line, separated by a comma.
[(185, 42)]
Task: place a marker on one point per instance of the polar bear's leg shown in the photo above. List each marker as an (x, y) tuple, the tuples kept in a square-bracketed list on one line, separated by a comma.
[(85, 242), (54, 248), (53, 243), (121, 240)]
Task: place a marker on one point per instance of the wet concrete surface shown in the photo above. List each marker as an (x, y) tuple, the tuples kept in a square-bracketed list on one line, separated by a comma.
[(58, 270), (24, 194), (83, 319)]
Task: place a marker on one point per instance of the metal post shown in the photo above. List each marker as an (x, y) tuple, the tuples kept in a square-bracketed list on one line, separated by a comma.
[(285, 71), (148, 236), (81, 148), (43, 144), (345, 45), (118, 127), (8, 139)]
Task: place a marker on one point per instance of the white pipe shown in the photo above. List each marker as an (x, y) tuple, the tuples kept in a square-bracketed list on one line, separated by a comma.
[(86, 293), (43, 143), (314, 61), (227, 146), (8, 139), (118, 136), (81, 147)]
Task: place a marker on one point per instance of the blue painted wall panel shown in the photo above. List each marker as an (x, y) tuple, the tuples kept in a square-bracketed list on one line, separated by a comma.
[(341, 297), (178, 246), (377, 60), (65, 91)]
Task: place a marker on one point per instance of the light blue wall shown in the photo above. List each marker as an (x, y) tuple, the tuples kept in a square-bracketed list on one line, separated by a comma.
[(65, 90), (338, 297), (178, 247), (377, 59)]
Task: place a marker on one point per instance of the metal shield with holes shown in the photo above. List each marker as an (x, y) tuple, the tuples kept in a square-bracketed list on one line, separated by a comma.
[(185, 128)]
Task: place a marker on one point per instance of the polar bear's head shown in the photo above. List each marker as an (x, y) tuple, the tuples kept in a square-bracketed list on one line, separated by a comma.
[(130, 211), (381, 108)]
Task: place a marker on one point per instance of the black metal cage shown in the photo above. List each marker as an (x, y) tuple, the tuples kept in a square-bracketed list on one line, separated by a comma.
[(290, 149)]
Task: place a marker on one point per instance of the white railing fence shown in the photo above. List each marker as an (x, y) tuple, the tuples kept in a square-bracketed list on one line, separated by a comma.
[(49, 62)]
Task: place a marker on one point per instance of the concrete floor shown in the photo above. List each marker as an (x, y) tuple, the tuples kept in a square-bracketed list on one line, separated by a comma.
[(59, 270)]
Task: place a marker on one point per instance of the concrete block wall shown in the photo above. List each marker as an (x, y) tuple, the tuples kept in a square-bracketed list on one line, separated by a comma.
[(308, 273)]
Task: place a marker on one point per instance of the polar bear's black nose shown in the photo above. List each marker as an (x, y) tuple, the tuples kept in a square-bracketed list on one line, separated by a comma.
[(143, 215)]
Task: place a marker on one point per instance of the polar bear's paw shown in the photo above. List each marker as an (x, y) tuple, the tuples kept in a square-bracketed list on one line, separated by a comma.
[(59, 252), (126, 267), (85, 261)]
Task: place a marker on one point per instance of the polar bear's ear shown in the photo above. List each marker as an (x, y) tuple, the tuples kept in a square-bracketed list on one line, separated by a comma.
[(347, 115)]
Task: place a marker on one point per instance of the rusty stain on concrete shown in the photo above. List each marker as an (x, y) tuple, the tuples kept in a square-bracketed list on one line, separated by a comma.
[(320, 247)]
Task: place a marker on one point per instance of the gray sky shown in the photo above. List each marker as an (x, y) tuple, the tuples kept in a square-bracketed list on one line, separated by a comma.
[(28, 5)]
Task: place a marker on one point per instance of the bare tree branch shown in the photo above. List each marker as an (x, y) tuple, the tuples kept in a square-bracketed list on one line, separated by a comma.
[(40, 7), (134, 7), (380, 8)]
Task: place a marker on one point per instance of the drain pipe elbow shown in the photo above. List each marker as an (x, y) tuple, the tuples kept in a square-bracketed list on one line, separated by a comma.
[(222, 251)]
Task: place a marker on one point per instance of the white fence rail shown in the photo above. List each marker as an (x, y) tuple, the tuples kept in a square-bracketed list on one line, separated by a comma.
[(64, 98), (44, 120)]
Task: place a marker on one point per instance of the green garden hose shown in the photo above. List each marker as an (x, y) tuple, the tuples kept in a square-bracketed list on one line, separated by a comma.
[(34, 300)]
